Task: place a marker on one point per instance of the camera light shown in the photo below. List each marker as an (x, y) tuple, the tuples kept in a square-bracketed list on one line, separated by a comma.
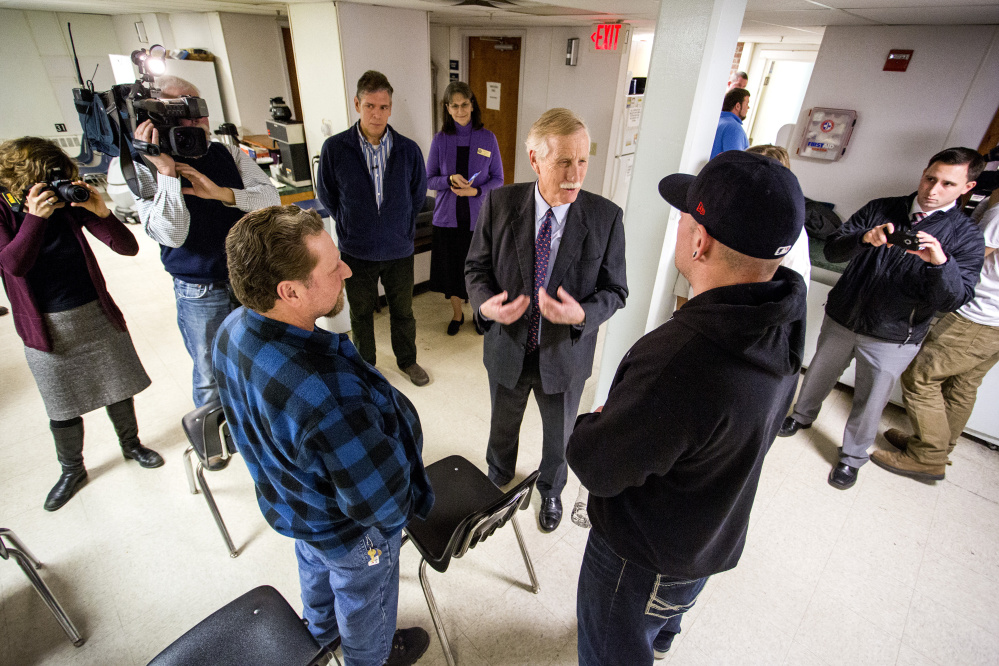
[(155, 66), (155, 60)]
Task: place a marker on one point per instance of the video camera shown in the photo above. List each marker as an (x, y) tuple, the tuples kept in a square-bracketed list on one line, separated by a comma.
[(109, 118), (166, 114)]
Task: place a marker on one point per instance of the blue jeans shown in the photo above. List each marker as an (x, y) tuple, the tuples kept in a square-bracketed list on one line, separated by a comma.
[(623, 611), (352, 599), (201, 309)]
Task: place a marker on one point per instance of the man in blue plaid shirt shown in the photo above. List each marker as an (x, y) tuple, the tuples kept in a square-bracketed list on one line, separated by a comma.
[(334, 450)]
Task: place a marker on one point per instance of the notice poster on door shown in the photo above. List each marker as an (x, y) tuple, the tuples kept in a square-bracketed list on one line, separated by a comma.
[(493, 95)]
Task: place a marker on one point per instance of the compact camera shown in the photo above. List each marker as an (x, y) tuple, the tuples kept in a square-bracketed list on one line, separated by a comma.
[(904, 238)]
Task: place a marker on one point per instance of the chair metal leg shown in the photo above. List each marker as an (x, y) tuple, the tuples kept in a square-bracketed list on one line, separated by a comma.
[(28, 565), (188, 468), (215, 510), (438, 620), (5, 532), (527, 558)]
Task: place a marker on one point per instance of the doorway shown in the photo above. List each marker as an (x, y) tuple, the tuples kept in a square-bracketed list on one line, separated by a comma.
[(494, 77), (779, 100)]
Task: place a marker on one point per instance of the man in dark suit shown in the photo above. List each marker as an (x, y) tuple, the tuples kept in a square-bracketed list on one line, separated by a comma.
[(545, 269)]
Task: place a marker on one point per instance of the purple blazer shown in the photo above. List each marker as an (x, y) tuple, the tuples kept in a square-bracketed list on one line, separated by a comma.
[(441, 164), (19, 247)]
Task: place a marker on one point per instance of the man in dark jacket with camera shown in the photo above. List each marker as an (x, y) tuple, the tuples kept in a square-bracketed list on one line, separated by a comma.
[(910, 257), (373, 181)]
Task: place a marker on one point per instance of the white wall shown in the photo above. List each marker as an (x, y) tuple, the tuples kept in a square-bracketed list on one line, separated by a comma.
[(947, 97), (591, 88), (38, 75), (315, 34), (396, 42), (257, 66)]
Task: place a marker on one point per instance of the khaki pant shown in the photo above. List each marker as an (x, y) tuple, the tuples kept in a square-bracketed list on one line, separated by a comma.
[(940, 385)]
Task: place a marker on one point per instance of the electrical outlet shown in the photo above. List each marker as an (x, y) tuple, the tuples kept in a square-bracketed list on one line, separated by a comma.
[(593, 148), (60, 127)]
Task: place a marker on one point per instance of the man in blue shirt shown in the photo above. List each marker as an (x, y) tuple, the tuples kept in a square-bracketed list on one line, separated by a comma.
[(335, 451), (730, 135), (373, 181)]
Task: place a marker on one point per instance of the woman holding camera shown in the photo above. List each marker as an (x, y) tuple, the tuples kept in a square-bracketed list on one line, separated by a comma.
[(75, 339), (464, 163)]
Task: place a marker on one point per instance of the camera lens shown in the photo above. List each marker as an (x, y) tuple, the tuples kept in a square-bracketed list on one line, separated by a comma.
[(72, 192)]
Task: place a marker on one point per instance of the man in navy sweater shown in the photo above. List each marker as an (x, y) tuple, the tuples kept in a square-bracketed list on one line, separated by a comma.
[(373, 181)]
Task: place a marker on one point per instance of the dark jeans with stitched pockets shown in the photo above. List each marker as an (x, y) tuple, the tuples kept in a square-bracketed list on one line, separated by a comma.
[(624, 612)]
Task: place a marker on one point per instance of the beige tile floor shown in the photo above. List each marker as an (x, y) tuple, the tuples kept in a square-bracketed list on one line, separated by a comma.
[(891, 572)]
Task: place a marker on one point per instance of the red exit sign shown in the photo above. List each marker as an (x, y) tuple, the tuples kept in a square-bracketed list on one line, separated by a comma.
[(605, 36), (898, 60)]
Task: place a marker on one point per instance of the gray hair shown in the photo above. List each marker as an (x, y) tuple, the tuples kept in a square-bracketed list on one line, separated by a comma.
[(169, 82), (553, 122)]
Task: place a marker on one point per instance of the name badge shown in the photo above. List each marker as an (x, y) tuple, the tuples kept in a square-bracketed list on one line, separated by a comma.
[(484, 152)]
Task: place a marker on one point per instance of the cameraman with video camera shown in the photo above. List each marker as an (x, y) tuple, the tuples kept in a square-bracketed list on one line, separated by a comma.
[(191, 223), (75, 339)]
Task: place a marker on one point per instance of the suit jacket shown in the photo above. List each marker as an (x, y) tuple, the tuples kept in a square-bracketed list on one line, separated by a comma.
[(590, 265)]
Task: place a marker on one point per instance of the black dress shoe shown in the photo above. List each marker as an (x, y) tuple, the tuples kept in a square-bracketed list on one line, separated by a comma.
[(790, 426), (551, 513), (452, 328), (140, 454), (843, 476), (65, 488)]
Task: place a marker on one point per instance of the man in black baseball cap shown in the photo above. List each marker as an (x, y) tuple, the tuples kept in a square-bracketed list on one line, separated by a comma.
[(673, 459)]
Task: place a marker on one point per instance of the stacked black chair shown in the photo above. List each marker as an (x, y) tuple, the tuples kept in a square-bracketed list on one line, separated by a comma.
[(212, 442), (258, 628), (28, 563), (468, 509)]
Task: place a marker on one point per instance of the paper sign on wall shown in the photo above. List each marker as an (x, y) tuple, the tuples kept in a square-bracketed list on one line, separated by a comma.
[(493, 95)]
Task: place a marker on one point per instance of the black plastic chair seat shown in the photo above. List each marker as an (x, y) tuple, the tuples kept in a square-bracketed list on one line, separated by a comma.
[(202, 427), (463, 495), (258, 628)]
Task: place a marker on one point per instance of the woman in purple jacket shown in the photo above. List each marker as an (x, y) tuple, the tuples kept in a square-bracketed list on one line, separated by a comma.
[(464, 163), (75, 340)]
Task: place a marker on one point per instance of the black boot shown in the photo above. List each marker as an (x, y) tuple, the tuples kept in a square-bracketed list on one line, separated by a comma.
[(69, 450), (122, 416)]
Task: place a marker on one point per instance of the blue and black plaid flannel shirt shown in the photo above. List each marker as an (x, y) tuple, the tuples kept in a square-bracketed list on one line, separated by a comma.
[(332, 447)]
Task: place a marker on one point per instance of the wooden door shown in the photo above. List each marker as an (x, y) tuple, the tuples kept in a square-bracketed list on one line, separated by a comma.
[(494, 76), (289, 55)]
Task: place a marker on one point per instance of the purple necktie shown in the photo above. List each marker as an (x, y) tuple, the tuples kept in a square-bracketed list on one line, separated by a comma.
[(542, 250), (918, 217)]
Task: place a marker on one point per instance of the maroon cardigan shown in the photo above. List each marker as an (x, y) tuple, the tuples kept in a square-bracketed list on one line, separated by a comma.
[(19, 248)]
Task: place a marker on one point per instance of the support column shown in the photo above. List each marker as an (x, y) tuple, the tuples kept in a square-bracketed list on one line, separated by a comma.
[(315, 33), (691, 59)]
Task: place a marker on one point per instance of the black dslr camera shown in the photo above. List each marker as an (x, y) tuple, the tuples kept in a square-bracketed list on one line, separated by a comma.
[(64, 189), (67, 191)]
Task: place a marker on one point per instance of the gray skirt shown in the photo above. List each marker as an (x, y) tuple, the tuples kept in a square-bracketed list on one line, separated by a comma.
[(92, 364)]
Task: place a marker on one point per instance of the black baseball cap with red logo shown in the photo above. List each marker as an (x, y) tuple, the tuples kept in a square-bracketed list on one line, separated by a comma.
[(751, 203)]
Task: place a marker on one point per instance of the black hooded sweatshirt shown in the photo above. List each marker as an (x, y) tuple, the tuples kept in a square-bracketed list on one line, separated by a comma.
[(673, 460)]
